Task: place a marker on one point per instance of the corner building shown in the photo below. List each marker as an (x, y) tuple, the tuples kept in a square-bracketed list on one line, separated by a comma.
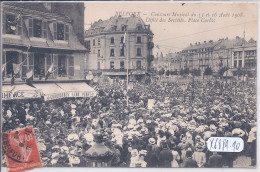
[(108, 56)]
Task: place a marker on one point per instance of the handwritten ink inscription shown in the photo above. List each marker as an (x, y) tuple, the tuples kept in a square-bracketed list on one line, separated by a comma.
[(225, 144)]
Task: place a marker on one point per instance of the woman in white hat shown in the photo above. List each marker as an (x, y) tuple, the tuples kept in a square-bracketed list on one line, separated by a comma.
[(199, 156)]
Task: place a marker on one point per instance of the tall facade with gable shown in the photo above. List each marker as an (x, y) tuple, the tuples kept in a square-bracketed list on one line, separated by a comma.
[(38, 36), (43, 52), (109, 52)]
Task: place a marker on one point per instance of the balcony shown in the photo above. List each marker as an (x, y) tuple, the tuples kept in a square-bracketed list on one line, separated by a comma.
[(150, 45)]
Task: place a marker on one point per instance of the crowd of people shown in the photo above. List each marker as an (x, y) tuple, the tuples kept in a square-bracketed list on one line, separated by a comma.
[(173, 133)]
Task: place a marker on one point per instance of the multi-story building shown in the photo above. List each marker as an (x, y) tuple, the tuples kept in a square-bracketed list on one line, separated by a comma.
[(198, 56), (110, 54), (244, 57), (37, 37), (175, 61), (224, 53)]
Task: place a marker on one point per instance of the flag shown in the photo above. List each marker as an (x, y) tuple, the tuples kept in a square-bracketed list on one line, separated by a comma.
[(16, 68), (3, 67), (29, 78), (49, 72), (122, 50)]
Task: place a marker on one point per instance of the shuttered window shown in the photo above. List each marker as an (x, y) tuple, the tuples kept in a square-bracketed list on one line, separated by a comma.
[(71, 65), (66, 32), (55, 65), (48, 60), (55, 31), (25, 65), (30, 27), (19, 26), (44, 29), (31, 62)]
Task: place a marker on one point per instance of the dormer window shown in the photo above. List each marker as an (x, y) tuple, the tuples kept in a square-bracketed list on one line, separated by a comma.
[(61, 31), (37, 28), (123, 28), (139, 27), (12, 24)]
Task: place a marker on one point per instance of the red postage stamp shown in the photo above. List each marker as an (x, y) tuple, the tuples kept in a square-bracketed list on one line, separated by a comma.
[(21, 150)]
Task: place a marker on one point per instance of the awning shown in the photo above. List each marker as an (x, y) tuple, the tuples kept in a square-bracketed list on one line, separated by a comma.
[(228, 73), (19, 92), (51, 91), (80, 89)]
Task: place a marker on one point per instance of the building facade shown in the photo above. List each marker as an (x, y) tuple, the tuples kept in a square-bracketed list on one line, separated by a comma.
[(118, 42), (244, 58), (225, 54), (37, 39)]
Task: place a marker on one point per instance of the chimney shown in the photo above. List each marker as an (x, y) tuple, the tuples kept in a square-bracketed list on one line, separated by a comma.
[(196, 43), (205, 42), (237, 37), (190, 44), (199, 43)]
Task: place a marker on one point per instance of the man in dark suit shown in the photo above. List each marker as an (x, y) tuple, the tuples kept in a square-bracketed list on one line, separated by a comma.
[(165, 156), (150, 157), (189, 162), (215, 161)]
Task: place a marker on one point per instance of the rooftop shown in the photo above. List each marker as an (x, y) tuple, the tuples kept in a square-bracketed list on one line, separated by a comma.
[(36, 6), (116, 23)]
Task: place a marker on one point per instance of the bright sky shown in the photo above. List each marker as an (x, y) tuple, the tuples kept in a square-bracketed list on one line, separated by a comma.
[(174, 36)]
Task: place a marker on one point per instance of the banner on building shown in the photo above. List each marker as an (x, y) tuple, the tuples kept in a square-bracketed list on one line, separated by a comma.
[(75, 94)]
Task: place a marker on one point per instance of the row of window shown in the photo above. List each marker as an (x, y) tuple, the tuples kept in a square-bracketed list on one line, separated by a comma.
[(250, 53), (249, 63), (114, 28), (13, 24), (238, 54), (63, 65), (122, 65), (122, 53), (198, 50), (237, 63), (112, 40)]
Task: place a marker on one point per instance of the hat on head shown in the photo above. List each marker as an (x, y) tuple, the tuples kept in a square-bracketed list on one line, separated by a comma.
[(188, 153), (200, 146), (73, 106), (212, 127), (151, 141), (130, 138), (73, 137)]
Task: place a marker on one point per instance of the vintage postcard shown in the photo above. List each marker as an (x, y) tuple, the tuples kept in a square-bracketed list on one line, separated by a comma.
[(129, 84)]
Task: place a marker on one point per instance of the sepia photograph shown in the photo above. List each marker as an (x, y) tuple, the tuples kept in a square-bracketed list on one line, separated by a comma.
[(129, 84)]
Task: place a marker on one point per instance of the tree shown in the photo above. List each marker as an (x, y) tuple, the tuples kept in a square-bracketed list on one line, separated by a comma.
[(181, 72), (208, 71), (195, 72), (186, 71), (167, 73), (221, 71)]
